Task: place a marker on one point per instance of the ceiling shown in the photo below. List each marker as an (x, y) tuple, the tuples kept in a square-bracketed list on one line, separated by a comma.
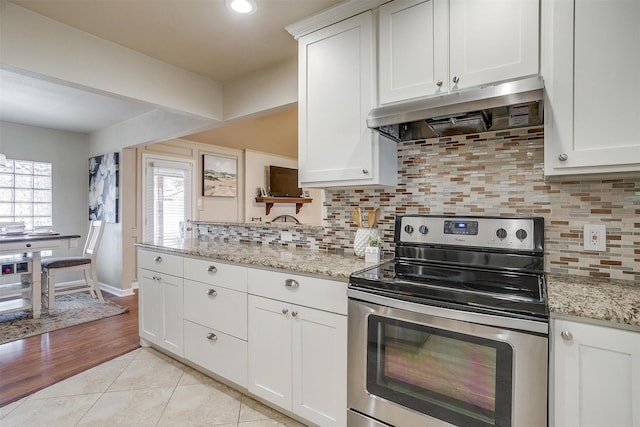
[(201, 36)]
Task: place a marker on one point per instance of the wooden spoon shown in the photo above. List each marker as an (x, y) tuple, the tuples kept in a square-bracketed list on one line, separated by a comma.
[(357, 217), (371, 219), (376, 218)]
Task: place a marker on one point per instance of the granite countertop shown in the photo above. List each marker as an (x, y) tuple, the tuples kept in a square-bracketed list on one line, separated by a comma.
[(330, 265), (615, 302)]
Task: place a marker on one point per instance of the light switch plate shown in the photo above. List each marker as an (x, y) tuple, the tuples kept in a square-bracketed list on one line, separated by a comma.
[(595, 237)]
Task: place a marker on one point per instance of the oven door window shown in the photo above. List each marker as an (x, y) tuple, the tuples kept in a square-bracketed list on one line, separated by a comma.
[(461, 379)]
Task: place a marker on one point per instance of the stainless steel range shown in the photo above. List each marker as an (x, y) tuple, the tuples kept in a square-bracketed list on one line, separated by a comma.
[(454, 330)]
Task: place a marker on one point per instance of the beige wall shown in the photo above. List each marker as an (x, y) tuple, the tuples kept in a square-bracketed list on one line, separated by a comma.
[(256, 164), (276, 133)]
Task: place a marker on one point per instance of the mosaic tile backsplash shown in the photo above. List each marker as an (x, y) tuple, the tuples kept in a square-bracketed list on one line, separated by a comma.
[(491, 173)]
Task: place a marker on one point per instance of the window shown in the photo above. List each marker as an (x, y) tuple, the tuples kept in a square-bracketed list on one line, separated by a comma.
[(167, 198), (26, 192)]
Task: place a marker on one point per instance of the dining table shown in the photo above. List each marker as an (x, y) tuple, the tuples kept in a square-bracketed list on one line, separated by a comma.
[(20, 256)]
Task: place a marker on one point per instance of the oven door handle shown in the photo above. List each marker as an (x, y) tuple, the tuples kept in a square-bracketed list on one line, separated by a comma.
[(539, 327)]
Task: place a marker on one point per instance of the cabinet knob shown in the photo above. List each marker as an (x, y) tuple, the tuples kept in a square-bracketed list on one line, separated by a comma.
[(158, 259), (212, 337), (365, 171), (563, 157), (439, 83), (291, 283), (566, 335), (285, 311), (212, 292), (28, 245), (294, 313), (456, 79), (212, 269)]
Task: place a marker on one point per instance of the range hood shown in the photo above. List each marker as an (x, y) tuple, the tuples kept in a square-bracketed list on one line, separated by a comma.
[(497, 107)]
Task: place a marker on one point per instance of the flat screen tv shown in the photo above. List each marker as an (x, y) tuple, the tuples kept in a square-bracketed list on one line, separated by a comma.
[(283, 182)]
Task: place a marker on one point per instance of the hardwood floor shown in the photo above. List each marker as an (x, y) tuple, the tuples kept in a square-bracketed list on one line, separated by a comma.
[(34, 363)]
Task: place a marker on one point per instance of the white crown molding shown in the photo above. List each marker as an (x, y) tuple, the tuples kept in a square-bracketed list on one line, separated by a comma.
[(332, 15)]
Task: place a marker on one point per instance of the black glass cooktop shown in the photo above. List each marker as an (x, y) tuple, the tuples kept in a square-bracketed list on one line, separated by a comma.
[(509, 292)]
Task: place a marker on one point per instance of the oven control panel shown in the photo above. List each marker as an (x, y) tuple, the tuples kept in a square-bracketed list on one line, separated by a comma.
[(486, 232)]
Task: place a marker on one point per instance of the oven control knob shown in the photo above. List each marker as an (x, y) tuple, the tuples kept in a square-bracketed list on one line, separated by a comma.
[(408, 228), (521, 234), (423, 229), (501, 233)]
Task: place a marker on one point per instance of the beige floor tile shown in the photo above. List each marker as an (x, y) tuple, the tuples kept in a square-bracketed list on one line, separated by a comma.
[(252, 410), (148, 373), (130, 355), (10, 407), (95, 380), (201, 404), (57, 411), (128, 408), (280, 422)]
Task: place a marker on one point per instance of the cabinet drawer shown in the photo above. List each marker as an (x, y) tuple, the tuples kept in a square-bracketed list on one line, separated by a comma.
[(161, 262), (216, 307), (214, 272), (323, 294), (219, 353)]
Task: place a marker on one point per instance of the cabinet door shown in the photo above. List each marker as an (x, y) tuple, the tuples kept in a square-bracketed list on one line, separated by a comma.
[(269, 340), (150, 303), (160, 303), (596, 375), (591, 62), (492, 41), (335, 95), (413, 46), (319, 366)]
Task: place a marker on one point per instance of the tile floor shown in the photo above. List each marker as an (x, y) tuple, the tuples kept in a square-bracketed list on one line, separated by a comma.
[(141, 388)]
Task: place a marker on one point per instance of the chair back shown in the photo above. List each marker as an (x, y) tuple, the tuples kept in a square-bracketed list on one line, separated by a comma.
[(93, 239)]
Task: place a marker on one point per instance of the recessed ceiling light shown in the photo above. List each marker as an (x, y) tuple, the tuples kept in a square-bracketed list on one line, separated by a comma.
[(244, 7)]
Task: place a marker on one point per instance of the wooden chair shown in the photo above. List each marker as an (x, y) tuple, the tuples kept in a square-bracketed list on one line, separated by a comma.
[(86, 263)]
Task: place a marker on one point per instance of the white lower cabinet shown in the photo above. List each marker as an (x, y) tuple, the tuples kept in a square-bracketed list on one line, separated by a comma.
[(160, 305), (223, 354), (595, 376), (281, 336), (297, 354)]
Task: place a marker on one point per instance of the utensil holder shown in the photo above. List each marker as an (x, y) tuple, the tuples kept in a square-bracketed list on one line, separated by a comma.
[(361, 240)]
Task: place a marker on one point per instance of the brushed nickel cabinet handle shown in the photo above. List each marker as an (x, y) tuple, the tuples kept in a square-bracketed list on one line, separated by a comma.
[(291, 283), (294, 313), (212, 292), (456, 79), (212, 337), (439, 83), (285, 311), (212, 269), (563, 157), (566, 335), (158, 259)]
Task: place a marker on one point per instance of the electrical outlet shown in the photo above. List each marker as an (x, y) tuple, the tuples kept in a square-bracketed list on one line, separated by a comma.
[(286, 236), (595, 237)]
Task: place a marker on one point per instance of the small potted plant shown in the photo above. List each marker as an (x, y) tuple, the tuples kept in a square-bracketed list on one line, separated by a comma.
[(372, 251)]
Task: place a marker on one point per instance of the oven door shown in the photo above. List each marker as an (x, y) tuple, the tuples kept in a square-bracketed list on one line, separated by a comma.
[(412, 365)]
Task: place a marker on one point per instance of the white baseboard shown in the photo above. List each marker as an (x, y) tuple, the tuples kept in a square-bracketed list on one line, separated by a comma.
[(108, 288)]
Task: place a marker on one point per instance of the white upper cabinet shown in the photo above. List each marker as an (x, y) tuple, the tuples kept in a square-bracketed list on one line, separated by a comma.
[(590, 68), (413, 49), (431, 47), (336, 92), (492, 41)]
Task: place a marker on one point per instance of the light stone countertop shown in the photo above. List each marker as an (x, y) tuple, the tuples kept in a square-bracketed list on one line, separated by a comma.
[(603, 300), (328, 265), (613, 301)]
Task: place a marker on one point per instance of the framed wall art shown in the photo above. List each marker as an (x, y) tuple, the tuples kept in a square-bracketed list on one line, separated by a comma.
[(219, 176), (103, 187)]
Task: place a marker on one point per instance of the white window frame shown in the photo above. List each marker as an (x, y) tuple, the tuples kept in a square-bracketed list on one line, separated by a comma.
[(169, 162)]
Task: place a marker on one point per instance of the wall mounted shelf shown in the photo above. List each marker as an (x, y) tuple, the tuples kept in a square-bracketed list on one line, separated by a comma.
[(270, 201)]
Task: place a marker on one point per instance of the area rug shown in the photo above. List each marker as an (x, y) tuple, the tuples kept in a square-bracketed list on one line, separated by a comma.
[(72, 309)]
